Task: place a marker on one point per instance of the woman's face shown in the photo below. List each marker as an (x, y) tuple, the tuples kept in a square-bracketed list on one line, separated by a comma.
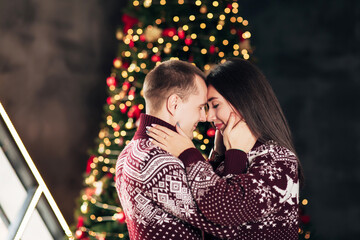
[(219, 109)]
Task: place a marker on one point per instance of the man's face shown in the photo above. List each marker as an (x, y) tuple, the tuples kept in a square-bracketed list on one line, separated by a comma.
[(192, 111)]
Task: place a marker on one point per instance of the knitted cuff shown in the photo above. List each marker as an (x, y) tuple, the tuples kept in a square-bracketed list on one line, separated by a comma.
[(190, 156), (235, 162)]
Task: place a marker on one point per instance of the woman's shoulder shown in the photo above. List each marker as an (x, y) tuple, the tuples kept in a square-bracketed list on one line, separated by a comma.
[(272, 151)]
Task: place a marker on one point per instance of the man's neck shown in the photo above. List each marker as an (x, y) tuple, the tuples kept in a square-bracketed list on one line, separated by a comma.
[(147, 120), (166, 117)]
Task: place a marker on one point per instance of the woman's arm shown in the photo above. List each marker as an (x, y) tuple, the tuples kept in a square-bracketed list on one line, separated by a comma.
[(235, 199)]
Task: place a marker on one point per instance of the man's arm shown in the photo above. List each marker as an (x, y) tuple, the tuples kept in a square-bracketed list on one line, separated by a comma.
[(169, 189)]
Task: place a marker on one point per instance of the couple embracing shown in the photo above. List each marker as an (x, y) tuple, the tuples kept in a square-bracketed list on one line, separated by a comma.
[(249, 186)]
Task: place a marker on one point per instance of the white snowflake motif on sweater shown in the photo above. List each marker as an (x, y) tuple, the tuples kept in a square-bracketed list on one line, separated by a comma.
[(263, 201)]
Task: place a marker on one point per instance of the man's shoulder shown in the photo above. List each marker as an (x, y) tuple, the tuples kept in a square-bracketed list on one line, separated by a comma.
[(145, 151)]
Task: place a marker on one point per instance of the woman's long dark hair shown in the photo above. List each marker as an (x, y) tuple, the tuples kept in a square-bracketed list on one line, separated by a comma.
[(245, 87)]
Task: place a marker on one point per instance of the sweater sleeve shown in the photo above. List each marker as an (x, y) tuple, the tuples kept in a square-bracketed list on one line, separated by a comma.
[(169, 190), (243, 195)]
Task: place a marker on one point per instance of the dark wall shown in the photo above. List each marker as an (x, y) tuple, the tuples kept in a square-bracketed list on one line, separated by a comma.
[(310, 51), (55, 56)]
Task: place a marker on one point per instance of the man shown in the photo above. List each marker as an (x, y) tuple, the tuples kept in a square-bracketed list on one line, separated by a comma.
[(151, 183)]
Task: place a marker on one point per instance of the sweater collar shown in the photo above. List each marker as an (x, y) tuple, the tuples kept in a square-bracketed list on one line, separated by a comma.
[(147, 120)]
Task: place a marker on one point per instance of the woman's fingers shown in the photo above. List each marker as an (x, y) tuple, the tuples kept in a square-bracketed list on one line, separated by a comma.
[(159, 138), (179, 130), (157, 131), (162, 129), (159, 144)]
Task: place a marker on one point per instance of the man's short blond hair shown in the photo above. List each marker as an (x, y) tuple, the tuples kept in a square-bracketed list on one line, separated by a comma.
[(170, 77)]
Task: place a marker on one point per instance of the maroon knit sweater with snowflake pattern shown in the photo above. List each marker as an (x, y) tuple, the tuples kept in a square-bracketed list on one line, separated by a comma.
[(155, 194), (257, 191)]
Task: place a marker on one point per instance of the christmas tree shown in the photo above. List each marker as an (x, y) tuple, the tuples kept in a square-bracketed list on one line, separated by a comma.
[(202, 32)]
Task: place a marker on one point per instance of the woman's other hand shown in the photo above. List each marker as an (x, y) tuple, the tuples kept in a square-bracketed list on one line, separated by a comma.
[(219, 146), (172, 142), (238, 136)]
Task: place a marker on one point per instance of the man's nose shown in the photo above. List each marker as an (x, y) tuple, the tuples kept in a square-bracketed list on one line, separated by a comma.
[(210, 115), (202, 116)]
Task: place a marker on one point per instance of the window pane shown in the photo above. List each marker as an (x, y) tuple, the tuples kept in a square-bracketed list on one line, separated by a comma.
[(13, 193)]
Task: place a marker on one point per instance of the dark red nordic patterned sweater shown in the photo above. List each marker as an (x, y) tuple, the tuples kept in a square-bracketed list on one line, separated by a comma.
[(257, 191), (155, 194)]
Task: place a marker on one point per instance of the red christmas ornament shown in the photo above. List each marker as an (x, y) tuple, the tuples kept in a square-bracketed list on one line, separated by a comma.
[(80, 222), (156, 58), (142, 38), (120, 217), (134, 112), (111, 81), (126, 65), (80, 234), (188, 41), (181, 34), (169, 32), (211, 132), (126, 86), (212, 49), (109, 175), (305, 219), (117, 128), (121, 142), (129, 22), (191, 58), (89, 162), (229, 6), (109, 100), (90, 191), (131, 44), (240, 33), (124, 109), (132, 92)]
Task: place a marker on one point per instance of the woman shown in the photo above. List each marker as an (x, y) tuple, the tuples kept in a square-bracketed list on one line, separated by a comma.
[(256, 181)]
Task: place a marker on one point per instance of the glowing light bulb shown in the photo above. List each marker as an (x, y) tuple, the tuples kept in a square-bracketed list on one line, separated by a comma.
[(147, 3)]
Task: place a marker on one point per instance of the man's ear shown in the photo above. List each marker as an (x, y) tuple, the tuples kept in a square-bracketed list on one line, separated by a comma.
[(172, 103)]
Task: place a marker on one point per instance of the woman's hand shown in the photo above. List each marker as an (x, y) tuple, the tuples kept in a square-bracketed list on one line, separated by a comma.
[(238, 136), (173, 142), (219, 146)]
